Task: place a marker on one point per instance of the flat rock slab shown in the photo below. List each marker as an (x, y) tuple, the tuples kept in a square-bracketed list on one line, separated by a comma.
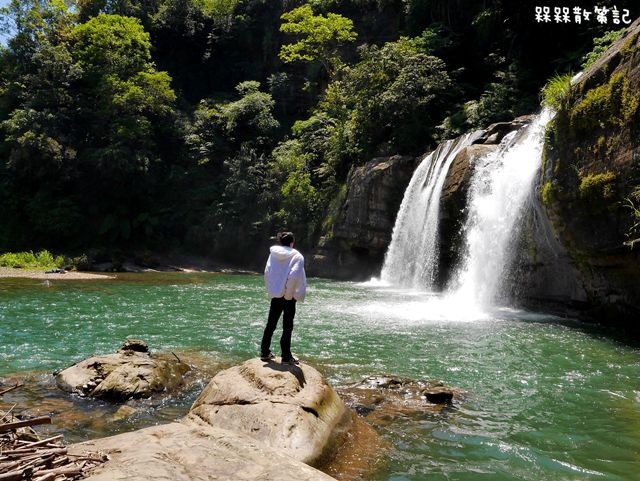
[(289, 408), (123, 375), (180, 452)]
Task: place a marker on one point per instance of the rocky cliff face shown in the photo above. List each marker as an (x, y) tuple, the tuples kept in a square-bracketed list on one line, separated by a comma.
[(362, 230), (591, 181)]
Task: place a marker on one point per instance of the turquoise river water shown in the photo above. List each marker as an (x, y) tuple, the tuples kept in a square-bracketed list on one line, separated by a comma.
[(546, 399)]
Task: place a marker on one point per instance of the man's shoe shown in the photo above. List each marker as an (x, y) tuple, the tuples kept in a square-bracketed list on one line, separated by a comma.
[(267, 357), (291, 360)]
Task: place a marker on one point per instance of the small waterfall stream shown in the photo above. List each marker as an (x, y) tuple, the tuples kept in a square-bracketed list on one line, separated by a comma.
[(412, 257), (499, 190)]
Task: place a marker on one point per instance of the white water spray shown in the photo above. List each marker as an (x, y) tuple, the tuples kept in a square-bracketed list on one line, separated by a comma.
[(500, 186), (412, 257)]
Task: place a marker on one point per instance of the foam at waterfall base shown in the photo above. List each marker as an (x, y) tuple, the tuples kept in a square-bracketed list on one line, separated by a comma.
[(398, 306)]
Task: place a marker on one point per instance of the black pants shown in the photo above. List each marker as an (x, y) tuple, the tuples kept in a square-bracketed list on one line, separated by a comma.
[(278, 306)]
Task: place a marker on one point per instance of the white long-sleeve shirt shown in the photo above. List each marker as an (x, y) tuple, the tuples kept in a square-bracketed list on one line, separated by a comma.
[(284, 274)]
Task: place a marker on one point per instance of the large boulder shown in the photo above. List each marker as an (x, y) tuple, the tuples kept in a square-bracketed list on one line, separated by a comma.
[(185, 452), (132, 372), (289, 408)]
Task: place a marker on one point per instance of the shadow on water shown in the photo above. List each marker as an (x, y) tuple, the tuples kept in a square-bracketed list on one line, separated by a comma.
[(629, 337)]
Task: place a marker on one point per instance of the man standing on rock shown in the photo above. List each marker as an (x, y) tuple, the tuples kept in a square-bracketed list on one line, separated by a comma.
[(286, 283)]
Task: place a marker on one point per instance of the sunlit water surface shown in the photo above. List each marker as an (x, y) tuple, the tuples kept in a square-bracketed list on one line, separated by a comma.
[(546, 399)]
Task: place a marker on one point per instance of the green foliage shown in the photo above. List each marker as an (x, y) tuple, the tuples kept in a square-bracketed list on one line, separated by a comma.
[(290, 169), (398, 93), (219, 8), (390, 100), (111, 45), (36, 23), (557, 92), (218, 128), (632, 203), (82, 262), (28, 260), (252, 115), (500, 101), (630, 46), (610, 105), (597, 187), (127, 100), (547, 193), (130, 123), (319, 37), (240, 211), (600, 45)]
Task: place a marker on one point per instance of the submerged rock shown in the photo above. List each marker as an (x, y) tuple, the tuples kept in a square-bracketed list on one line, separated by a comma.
[(438, 395), (132, 372), (123, 412), (185, 452), (289, 408), (390, 395)]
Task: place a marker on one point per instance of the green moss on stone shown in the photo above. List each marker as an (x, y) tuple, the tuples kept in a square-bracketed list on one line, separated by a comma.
[(630, 46), (547, 193), (609, 105), (597, 187)]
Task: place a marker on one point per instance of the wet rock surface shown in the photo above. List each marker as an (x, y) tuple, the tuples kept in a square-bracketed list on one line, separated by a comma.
[(132, 372), (363, 226), (289, 408), (379, 396)]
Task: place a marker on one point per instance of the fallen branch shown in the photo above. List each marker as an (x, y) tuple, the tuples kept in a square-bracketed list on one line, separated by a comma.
[(12, 476), (46, 477), (8, 412), (23, 424), (67, 471), (31, 445), (11, 389), (40, 460)]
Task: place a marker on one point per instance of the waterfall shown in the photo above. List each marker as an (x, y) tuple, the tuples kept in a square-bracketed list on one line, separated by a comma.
[(500, 187), (412, 257)]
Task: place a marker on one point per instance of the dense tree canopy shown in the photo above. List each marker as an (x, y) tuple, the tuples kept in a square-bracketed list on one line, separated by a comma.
[(208, 124), (320, 37)]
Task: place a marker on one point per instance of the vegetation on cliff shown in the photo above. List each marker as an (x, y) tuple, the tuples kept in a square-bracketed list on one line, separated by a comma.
[(209, 124), (591, 177)]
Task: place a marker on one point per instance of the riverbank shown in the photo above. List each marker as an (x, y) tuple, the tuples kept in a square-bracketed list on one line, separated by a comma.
[(107, 269), (40, 274)]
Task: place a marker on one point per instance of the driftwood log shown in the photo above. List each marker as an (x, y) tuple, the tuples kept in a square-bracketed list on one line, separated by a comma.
[(43, 460)]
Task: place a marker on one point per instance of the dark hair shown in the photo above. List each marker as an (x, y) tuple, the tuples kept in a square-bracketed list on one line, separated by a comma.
[(285, 238)]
